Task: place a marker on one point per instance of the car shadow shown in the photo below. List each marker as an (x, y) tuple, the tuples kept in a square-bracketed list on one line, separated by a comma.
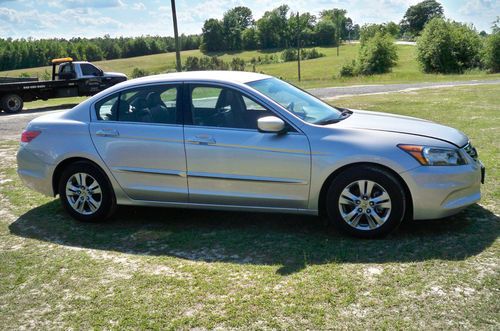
[(289, 241)]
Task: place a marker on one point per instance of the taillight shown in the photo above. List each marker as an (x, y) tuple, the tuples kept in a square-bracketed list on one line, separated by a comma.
[(29, 135)]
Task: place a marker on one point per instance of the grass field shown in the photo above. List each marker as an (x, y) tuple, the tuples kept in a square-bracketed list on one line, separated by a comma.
[(180, 269), (315, 73)]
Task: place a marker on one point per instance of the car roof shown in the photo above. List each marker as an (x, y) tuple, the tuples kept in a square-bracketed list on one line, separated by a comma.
[(241, 77)]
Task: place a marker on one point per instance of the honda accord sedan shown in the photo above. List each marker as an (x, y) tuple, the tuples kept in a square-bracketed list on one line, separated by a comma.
[(247, 142)]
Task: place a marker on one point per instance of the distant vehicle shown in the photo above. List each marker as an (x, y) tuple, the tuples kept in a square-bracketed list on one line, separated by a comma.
[(73, 78), (247, 142)]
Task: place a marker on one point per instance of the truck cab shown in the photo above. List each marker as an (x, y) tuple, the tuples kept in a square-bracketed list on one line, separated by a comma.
[(69, 69), (69, 79)]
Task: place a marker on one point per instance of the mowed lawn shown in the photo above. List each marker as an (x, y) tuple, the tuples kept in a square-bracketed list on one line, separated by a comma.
[(181, 269)]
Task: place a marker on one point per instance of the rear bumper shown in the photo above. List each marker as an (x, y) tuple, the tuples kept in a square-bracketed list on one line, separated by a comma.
[(438, 192), (35, 173)]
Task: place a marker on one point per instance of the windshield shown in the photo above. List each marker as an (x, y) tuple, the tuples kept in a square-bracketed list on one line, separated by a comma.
[(297, 101)]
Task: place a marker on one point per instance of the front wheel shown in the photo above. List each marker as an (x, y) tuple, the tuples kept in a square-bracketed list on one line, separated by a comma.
[(12, 103), (366, 202), (86, 193)]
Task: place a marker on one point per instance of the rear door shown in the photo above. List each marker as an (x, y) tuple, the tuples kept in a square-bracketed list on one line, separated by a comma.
[(230, 162), (139, 135)]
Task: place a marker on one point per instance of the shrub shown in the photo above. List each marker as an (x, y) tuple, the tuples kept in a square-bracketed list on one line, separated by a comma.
[(138, 72), (24, 75), (491, 53), (378, 55), (290, 54), (194, 63), (310, 54), (238, 64), (349, 69), (447, 47)]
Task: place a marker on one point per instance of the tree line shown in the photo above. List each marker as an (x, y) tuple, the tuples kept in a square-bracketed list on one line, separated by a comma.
[(277, 28), (28, 53)]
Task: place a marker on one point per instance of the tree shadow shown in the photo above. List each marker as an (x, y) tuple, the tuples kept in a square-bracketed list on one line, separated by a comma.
[(291, 241)]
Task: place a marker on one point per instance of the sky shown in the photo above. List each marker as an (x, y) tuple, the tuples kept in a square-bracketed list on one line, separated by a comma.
[(94, 18)]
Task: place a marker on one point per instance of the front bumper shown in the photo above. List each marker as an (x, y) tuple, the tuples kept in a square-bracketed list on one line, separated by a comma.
[(443, 190), (35, 173)]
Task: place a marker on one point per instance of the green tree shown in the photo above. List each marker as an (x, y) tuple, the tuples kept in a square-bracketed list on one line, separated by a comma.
[(447, 46), (273, 28), (235, 21), (212, 36), (418, 15), (378, 55), (250, 38), (491, 52)]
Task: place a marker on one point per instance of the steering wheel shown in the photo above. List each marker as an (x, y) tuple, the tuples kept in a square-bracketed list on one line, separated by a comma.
[(290, 106)]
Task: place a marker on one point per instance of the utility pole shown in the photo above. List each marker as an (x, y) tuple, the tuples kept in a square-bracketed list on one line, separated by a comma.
[(298, 44), (338, 34), (176, 37)]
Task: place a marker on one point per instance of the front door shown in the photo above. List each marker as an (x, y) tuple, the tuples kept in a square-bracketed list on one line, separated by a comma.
[(229, 162), (138, 133)]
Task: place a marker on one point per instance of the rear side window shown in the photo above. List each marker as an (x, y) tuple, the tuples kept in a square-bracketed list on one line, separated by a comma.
[(106, 109), (152, 104), (89, 70)]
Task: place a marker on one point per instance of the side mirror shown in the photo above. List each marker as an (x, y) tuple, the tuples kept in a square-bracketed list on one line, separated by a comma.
[(271, 124)]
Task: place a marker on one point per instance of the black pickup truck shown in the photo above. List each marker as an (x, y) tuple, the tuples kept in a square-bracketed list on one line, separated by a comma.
[(71, 79)]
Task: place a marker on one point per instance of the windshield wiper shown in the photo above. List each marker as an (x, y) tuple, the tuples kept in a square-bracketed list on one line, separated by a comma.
[(343, 115)]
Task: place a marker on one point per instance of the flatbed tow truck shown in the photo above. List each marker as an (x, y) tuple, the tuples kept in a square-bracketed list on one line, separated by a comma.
[(71, 79)]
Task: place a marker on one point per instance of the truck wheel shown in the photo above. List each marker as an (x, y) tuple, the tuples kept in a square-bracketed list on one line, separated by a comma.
[(12, 103)]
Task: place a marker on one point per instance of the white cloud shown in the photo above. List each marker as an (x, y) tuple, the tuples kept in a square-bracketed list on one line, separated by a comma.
[(138, 6)]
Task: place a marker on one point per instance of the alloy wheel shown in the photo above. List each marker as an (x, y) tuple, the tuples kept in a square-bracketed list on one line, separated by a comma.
[(364, 205)]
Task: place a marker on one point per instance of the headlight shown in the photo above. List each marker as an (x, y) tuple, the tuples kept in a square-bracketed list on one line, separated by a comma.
[(434, 156)]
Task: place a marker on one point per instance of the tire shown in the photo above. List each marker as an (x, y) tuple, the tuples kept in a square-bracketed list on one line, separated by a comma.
[(77, 188), (366, 202), (12, 103)]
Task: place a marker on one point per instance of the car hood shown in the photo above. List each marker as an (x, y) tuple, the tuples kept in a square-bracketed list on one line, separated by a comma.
[(115, 74), (369, 120)]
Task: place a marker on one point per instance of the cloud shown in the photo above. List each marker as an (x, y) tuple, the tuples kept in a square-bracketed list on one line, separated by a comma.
[(138, 6)]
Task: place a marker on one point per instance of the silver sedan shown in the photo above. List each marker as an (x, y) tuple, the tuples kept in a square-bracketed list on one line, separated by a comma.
[(247, 142)]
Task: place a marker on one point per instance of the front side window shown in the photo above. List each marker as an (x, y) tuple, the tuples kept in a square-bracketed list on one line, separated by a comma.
[(156, 104), (224, 107), (298, 102)]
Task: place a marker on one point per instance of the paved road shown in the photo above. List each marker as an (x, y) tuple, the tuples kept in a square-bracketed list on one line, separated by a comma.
[(335, 92), (11, 126)]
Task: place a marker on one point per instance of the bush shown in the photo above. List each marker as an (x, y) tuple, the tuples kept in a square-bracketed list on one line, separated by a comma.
[(138, 72), (491, 53), (290, 54), (378, 55), (349, 69), (448, 47), (310, 54), (194, 63), (238, 64)]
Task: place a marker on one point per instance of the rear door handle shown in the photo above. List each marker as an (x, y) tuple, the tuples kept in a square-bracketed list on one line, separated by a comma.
[(202, 140), (107, 133)]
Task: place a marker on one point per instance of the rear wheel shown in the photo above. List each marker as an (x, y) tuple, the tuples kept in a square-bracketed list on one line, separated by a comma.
[(85, 192), (12, 103), (366, 202)]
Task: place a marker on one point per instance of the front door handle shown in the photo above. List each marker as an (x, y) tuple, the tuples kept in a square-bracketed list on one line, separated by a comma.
[(107, 133), (202, 140)]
